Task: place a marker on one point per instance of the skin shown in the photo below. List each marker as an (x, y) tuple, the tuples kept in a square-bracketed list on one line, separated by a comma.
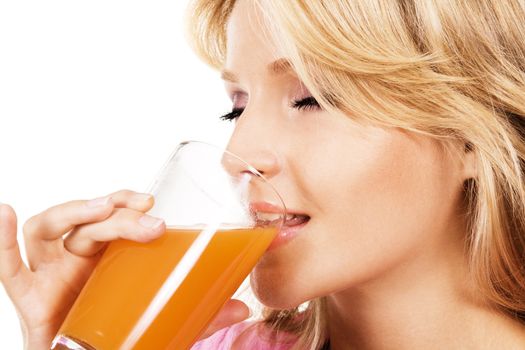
[(384, 244), (379, 199)]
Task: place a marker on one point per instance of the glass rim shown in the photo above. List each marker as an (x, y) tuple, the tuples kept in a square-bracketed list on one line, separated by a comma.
[(221, 149)]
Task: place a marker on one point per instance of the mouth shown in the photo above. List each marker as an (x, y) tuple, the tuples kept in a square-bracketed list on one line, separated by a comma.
[(268, 215), (293, 220), (292, 227)]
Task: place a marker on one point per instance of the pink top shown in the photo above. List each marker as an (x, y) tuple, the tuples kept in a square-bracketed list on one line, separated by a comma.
[(252, 339)]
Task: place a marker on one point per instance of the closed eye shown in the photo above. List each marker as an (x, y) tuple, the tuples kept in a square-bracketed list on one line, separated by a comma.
[(234, 114), (307, 103)]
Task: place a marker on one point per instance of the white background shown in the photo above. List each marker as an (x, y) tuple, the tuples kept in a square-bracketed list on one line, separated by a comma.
[(94, 95)]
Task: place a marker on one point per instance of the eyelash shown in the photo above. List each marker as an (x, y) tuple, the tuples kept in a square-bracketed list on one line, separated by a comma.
[(307, 103)]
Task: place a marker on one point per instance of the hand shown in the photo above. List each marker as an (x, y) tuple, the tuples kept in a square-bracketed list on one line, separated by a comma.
[(63, 245), (59, 265)]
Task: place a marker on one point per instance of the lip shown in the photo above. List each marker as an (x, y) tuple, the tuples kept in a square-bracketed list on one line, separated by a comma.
[(285, 233)]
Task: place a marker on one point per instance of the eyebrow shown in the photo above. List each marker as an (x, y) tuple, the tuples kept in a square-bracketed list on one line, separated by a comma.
[(277, 67)]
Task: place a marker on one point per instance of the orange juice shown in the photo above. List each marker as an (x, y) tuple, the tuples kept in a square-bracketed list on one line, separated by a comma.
[(130, 274)]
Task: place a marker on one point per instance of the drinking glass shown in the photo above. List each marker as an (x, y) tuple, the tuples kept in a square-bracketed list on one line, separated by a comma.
[(221, 215)]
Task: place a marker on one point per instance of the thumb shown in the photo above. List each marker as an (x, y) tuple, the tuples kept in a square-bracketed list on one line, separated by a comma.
[(232, 312), (12, 268)]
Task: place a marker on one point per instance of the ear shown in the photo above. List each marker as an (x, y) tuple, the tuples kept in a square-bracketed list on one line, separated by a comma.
[(469, 162)]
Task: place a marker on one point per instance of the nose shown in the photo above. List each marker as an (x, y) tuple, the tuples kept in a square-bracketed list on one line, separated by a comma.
[(256, 144)]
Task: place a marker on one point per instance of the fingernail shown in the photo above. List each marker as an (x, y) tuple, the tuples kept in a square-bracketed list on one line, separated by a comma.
[(142, 197), (150, 222), (98, 202)]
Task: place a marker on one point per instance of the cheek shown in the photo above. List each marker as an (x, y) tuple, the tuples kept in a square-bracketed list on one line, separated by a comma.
[(388, 203), (380, 202)]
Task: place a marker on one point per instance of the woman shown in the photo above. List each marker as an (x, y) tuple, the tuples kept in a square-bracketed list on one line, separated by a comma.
[(395, 131)]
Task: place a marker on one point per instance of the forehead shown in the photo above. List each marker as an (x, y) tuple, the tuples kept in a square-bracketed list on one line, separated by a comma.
[(249, 41)]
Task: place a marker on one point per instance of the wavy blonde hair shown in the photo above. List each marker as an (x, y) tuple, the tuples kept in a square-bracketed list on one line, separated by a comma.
[(450, 69)]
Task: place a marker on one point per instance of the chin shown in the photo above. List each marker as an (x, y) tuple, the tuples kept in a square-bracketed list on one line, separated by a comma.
[(275, 294)]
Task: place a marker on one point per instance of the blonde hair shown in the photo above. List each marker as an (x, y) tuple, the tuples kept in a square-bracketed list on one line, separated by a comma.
[(449, 69)]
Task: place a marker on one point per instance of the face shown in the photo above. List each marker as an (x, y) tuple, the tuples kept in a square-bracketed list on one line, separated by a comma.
[(375, 198)]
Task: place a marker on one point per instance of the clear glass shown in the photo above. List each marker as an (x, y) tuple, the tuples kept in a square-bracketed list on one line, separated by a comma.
[(221, 216)]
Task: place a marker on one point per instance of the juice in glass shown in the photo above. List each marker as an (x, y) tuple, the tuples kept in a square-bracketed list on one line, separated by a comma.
[(130, 275)]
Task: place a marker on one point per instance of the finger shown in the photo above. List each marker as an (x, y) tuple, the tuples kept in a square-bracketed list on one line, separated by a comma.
[(43, 232), (13, 272), (234, 311), (87, 240), (132, 200), (56, 221)]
